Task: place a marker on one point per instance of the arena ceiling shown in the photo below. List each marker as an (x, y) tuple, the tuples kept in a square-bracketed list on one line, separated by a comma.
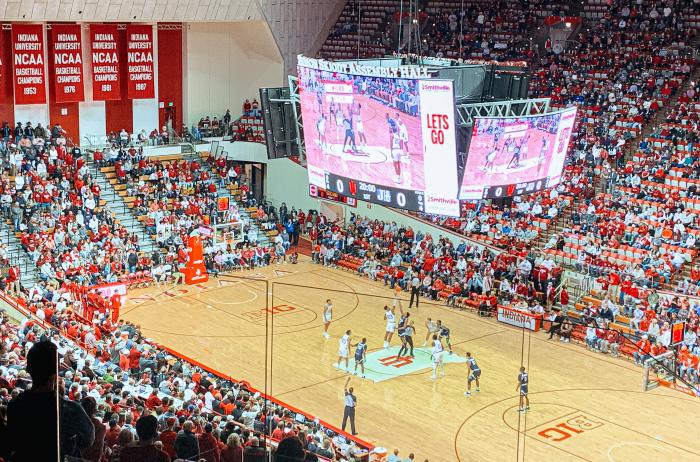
[(130, 10), (298, 26)]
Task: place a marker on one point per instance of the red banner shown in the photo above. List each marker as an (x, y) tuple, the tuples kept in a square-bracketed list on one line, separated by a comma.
[(68, 63), (140, 60), (2, 63), (28, 67), (104, 46)]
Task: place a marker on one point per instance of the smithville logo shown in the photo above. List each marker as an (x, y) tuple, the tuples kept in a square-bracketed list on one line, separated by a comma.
[(433, 87), (441, 200)]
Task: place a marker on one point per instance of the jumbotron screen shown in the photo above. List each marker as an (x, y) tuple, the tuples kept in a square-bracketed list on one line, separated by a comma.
[(513, 156), (380, 139)]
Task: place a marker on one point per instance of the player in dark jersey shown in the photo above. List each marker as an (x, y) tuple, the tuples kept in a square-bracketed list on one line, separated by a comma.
[(406, 336), (444, 332), (523, 380), (361, 356), (319, 100), (474, 374), (490, 157), (515, 160), (333, 108), (349, 133)]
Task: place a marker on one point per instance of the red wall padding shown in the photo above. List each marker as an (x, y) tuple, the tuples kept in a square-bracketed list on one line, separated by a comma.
[(120, 114), (170, 74), (7, 96)]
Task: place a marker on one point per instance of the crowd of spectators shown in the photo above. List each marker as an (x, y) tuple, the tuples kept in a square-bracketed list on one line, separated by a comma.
[(53, 203), (248, 127), (460, 274), (472, 29), (130, 399), (125, 399)]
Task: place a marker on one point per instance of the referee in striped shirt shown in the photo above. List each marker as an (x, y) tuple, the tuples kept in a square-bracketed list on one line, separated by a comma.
[(350, 404)]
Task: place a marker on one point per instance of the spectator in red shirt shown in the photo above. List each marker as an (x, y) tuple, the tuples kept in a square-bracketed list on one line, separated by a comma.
[(233, 452), (144, 450), (153, 401), (643, 352), (208, 445), (168, 438)]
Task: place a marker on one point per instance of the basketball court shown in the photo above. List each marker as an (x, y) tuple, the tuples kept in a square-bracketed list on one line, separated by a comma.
[(584, 406)]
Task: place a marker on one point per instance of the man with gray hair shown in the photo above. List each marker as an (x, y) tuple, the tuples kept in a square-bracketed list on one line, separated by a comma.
[(254, 452), (186, 444)]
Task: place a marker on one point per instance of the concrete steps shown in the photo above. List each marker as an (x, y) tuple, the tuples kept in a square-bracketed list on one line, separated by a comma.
[(122, 208), (29, 273)]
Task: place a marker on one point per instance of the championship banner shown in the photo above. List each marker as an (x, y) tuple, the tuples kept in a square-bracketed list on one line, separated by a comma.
[(141, 76), (195, 271), (28, 59), (2, 68), (68, 63), (104, 46), (519, 318)]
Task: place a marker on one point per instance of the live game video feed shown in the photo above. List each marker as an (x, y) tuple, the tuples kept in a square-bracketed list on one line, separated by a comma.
[(379, 139), (513, 156)]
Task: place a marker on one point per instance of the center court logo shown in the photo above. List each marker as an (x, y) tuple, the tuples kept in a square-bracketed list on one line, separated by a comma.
[(384, 364), (396, 361)]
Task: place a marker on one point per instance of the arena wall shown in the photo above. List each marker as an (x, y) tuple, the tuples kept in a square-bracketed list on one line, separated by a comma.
[(290, 184), (225, 63)]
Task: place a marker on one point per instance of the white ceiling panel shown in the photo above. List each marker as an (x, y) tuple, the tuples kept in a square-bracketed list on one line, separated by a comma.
[(125, 10)]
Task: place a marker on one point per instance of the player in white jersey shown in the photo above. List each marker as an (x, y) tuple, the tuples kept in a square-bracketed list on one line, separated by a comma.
[(321, 127), (432, 328), (344, 350), (524, 147), (396, 154), (438, 351), (390, 325), (474, 374), (523, 381), (359, 127), (403, 134), (339, 128), (327, 317)]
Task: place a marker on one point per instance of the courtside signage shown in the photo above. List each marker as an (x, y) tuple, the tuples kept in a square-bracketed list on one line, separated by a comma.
[(438, 129), (518, 318)]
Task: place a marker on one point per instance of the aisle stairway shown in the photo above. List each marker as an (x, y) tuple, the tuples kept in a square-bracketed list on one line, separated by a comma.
[(119, 203), (17, 256)]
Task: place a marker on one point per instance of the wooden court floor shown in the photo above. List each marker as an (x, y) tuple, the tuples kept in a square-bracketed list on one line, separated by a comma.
[(584, 406)]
